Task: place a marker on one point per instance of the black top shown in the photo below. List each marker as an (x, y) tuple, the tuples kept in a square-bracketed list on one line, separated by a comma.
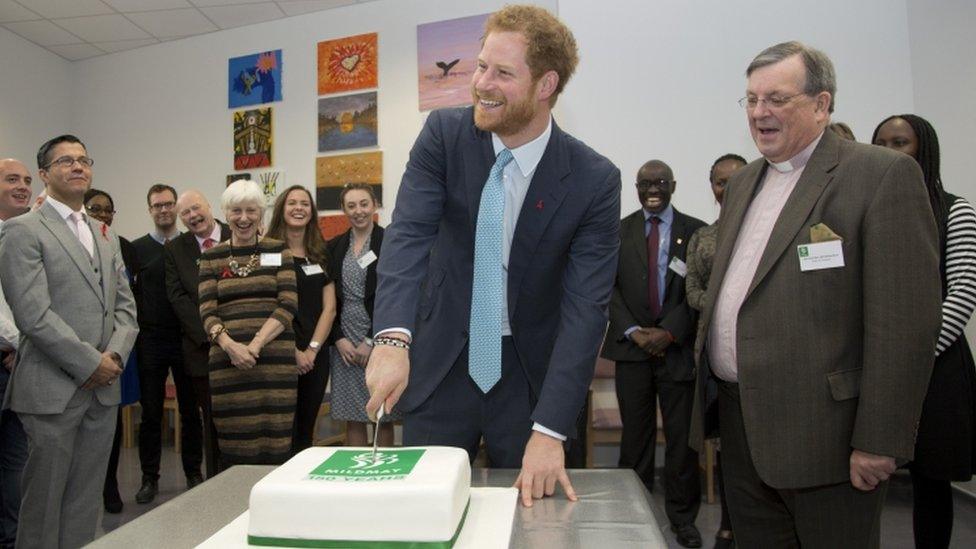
[(310, 288), (337, 248), (152, 304)]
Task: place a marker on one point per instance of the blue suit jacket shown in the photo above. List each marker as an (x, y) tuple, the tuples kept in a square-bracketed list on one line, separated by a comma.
[(560, 272)]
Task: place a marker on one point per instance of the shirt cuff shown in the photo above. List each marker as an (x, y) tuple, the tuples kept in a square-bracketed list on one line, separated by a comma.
[(630, 330), (403, 331), (550, 432)]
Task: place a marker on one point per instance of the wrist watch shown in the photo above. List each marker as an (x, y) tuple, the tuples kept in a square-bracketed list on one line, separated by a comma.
[(314, 345)]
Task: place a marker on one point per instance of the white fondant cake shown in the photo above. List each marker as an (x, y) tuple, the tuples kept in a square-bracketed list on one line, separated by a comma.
[(338, 494)]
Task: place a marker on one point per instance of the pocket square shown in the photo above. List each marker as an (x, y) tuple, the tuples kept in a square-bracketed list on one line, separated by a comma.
[(822, 233)]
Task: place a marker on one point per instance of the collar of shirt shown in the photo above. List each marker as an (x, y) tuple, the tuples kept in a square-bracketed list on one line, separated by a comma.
[(63, 209), (666, 217), (161, 238), (214, 234), (798, 161), (527, 156)]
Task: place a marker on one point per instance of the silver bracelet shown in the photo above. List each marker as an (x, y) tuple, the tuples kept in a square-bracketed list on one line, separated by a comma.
[(391, 341)]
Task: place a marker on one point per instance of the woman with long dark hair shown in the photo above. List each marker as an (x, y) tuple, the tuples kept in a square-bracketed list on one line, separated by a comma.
[(944, 449), (295, 222)]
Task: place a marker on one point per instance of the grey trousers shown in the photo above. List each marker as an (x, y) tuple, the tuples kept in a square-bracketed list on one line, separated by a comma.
[(62, 483), (836, 516)]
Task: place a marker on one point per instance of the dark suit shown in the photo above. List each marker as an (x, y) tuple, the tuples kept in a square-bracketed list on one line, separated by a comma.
[(828, 360), (182, 265), (560, 273), (642, 378)]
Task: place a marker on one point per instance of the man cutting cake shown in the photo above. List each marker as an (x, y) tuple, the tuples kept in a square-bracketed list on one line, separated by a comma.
[(498, 265)]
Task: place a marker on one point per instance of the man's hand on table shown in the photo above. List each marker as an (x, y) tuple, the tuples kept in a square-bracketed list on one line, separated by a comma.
[(543, 465)]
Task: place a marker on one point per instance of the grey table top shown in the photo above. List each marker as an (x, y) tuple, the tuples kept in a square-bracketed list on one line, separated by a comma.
[(614, 510)]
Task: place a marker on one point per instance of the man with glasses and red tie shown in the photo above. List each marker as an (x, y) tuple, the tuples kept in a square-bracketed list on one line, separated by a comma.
[(182, 266), (65, 282), (159, 348), (651, 337)]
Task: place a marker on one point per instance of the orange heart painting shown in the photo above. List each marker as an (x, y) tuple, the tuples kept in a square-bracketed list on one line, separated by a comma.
[(348, 63)]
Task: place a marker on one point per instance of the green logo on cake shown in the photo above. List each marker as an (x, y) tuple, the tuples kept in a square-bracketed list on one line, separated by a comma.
[(358, 465)]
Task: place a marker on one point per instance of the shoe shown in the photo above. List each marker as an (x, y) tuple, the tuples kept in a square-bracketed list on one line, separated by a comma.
[(724, 540), (150, 487), (194, 480), (687, 535), (113, 503)]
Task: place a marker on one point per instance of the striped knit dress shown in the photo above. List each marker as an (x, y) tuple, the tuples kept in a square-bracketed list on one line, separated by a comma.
[(253, 409)]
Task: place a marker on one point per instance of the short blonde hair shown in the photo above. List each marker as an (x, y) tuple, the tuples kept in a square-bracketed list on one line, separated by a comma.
[(242, 191)]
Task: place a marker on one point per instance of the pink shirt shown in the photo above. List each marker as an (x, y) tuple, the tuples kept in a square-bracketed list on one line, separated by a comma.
[(774, 190), (214, 234)]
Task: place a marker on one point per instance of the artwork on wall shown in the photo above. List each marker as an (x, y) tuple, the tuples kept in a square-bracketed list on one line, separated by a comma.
[(347, 122), (270, 182), (254, 79), (232, 177), (447, 56), (252, 138), (332, 172), (332, 225), (347, 64)]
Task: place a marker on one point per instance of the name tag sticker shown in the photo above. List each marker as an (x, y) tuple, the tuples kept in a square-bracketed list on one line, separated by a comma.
[(312, 269), (366, 260), (821, 255), (271, 260), (678, 267)]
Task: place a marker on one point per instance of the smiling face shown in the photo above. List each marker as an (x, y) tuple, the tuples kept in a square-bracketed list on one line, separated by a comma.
[(721, 174), (508, 101), (67, 184), (298, 209), (782, 132), (359, 207), (195, 213), (15, 188), (100, 207), (162, 209), (655, 185), (244, 220), (897, 134)]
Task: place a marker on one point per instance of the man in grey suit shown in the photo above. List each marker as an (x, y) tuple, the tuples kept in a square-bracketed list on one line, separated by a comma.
[(63, 275), (821, 317)]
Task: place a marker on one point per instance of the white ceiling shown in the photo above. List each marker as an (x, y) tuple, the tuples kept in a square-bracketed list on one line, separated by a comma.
[(79, 29)]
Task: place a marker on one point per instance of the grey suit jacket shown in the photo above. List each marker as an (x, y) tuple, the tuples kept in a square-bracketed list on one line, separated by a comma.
[(69, 309), (833, 359)]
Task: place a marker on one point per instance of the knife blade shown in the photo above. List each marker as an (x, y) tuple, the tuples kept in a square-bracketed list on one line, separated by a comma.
[(376, 430)]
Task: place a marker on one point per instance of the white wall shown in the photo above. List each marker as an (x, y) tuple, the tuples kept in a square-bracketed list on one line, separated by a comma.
[(35, 100), (159, 114), (661, 79)]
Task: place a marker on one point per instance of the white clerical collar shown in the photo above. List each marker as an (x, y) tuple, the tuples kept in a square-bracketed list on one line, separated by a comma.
[(798, 161), (63, 209), (527, 156)]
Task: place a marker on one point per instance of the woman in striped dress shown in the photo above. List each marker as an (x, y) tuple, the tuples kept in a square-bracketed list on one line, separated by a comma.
[(247, 302), (945, 448)]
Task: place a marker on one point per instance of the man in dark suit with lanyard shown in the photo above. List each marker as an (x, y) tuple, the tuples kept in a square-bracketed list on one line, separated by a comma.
[(512, 228), (652, 339)]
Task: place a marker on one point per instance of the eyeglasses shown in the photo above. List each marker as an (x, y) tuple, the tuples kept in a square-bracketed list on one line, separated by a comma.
[(67, 162), (660, 184), (98, 210), (162, 206), (750, 102)]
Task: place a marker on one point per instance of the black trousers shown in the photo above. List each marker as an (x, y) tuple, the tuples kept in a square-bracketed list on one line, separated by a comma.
[(458, 414), (161, 351), (835, 516), (639, 386), (311, 389), (211, 453), (111, 487), (932, 513)]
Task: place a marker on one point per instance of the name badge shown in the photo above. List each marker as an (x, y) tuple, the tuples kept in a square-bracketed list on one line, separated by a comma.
[(271, 260), (678, 267), (821, 255), (312, 269), (366, 260)]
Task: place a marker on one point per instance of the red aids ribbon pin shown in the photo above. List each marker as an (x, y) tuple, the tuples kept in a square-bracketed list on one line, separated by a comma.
[(539, 205)]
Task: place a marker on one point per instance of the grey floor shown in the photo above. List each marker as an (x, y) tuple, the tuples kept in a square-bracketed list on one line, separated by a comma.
[(896, 520)]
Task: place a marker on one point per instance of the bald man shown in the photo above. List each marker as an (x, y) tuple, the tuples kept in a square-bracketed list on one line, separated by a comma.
[(15, 194), (181, 258), (651, 337)]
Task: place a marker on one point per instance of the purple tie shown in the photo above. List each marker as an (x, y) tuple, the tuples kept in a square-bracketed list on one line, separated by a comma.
[(653, 301)]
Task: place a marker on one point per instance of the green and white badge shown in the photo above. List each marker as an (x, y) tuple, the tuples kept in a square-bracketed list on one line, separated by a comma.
[(821, 255), (358, 465)]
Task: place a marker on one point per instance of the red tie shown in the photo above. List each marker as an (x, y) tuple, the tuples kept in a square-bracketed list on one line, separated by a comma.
[(208, 243), (653, 301)]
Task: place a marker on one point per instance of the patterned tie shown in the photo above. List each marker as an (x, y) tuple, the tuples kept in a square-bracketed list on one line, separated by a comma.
[(208, 243), (653, 297), (84, 234), (485, 329)]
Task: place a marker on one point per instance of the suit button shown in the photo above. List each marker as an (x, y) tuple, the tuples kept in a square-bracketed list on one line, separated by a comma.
[(694, 372)]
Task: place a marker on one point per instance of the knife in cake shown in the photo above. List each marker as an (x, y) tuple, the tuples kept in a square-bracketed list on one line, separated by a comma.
[(376, 430)]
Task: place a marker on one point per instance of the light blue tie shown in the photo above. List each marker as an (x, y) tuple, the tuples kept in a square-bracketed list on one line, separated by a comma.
[(485, 328)]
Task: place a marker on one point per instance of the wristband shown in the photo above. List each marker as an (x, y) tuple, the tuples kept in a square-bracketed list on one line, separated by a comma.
[(215, 333), (391, 341)]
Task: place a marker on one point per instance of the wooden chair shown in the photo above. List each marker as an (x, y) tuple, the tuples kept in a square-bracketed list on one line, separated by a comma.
[(337, 439), (171, 404), (603, 425), (129, 425)]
